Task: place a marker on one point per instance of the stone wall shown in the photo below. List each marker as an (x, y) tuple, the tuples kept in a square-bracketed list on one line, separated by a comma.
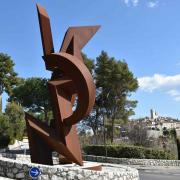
[(23, 158), (18, 168), (127, 161)]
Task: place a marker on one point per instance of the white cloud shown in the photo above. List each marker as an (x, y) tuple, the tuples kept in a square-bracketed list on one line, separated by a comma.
[(177, 98), (152, 4), (175, 94), (159, 81), (126, 2), (169, 84), (131, 2), (135, 2)]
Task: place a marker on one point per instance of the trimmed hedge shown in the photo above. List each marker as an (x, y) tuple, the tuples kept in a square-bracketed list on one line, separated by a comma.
[(121, 151)]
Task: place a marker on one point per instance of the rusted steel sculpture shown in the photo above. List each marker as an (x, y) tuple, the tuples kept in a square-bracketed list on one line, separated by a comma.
[(70, 80)]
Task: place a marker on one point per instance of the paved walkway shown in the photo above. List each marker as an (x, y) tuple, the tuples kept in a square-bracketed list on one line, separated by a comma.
[(159, 174), (143, 167)]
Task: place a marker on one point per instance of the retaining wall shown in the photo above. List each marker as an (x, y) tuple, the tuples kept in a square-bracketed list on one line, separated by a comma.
[(127, 161), (18, 168)]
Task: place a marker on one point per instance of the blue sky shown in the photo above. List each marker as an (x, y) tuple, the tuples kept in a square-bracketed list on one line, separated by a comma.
[(146, 33)]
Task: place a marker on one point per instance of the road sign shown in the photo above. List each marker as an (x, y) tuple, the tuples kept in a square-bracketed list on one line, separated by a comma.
[(34, 172)]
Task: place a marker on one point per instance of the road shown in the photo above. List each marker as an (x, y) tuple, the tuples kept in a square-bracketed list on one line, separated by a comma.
[(159, 174)]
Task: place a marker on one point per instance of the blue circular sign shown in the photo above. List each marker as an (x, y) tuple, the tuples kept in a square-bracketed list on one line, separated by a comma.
[(34, 172)]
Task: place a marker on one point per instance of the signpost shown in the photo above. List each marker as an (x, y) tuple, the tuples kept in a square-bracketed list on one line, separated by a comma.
[(34, 172)]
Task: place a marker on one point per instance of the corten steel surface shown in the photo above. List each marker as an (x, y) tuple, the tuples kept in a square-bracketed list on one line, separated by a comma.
[(70, 80)]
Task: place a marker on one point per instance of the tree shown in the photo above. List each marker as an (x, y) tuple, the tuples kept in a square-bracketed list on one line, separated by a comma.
[(4, 131), (12, 124), (33, 96), (15, 115), (138, 135), (8, 77), (117, 83), (93, 120), (88, 62), (114, 84)]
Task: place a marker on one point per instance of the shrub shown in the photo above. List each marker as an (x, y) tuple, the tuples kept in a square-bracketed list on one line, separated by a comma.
[(120, 151), (4, 131), (4, 141)]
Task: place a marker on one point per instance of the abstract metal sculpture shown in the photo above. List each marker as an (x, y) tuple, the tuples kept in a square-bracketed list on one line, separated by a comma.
[(70, 80)]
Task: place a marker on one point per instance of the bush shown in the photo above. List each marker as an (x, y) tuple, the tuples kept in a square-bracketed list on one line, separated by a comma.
[(15, 114), (4, 141), (4, 131), (120, 151)]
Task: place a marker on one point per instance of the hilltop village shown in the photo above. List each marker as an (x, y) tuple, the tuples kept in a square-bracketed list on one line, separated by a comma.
[(156, 122)]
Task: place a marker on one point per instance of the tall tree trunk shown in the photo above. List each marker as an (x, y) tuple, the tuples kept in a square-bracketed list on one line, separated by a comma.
[(0, 103), (178, 147), (104, 130), (112, 133), (94, 136), (46, 117)]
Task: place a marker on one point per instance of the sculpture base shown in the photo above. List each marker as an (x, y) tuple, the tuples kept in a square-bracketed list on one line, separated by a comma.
[(71, 171), (86, 165)]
